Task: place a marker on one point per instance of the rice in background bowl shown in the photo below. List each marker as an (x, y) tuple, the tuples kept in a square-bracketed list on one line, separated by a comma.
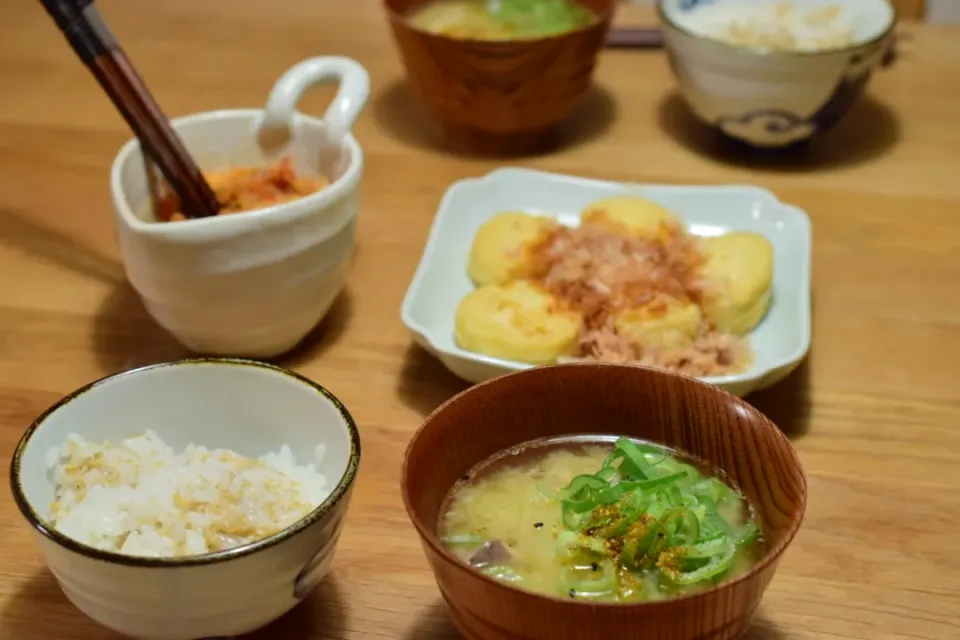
[(254, 410), (772, 73), (782, 26)]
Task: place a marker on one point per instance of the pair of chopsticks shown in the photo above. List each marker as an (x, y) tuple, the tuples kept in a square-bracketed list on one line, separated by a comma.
[(652, 38), (93, 43)]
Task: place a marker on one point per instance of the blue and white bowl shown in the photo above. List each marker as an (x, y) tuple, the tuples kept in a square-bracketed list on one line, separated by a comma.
[(771, 98)]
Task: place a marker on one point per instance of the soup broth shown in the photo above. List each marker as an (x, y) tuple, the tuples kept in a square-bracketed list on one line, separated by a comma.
[(623, 521), (500, 19)]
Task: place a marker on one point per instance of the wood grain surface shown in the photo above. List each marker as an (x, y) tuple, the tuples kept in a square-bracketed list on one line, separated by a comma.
[(911, 9), (874, 413)]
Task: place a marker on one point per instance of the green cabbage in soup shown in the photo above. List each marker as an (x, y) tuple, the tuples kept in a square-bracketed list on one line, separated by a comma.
[(500, 19), (583, 519)]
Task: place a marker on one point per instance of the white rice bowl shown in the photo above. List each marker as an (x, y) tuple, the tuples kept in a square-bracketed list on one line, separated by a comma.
[(140, 497), (765, 26)]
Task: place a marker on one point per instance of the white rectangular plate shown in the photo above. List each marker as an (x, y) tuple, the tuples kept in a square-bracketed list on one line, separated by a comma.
[(780, 341)]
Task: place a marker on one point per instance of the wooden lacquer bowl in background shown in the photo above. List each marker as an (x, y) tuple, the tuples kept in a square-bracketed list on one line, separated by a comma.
[(664, 408), (499, 88)]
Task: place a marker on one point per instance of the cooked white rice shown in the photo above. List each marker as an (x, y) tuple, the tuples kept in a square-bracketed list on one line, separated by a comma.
[(785, 26), (140, 497)]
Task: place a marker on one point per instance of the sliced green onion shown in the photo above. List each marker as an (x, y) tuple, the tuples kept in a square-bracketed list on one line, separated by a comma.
[(631, 508), (681, 527), (634, 463), (571, 519), (673, 495), (706, 549), (501, 572), (570, 544), (634, 550), (609, 475), (683, 537), (538, 17), (749, 535), (462, 540), (718, 564), (710, 490), (582, 482), (579, 506), (587, 582), (653, 483)]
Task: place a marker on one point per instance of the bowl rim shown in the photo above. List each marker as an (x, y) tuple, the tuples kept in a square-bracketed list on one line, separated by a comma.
[(850, 48), (172, 562), (772, 556), (216, 227), (602, 21)]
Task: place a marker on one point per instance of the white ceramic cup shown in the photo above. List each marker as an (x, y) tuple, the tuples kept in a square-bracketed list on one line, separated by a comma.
[(249, 407), (252, 284)]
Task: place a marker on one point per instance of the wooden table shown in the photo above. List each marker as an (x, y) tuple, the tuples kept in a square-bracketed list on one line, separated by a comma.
[(874, 413)]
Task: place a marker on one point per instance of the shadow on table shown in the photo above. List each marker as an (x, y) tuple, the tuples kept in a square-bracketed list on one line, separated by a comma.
[(787, 403), (870, 130), (398, 113), (125, 336), (320, 614), (40, 610), (763, 629), (324, 335), (57, 247), (435, 624), (424, 383)]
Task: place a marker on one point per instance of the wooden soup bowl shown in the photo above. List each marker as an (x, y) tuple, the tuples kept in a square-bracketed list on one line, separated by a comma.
[(499, 88), (572, 399)]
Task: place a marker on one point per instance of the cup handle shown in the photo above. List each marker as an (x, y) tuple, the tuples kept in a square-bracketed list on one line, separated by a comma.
[(352, 95)]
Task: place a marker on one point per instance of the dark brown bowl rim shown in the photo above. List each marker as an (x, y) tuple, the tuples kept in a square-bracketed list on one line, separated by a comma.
[(603, 20), (325, 507), (772, 555), (665, 19)]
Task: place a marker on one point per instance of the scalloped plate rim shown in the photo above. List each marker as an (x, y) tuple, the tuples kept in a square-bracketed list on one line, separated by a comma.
[(751, 380)]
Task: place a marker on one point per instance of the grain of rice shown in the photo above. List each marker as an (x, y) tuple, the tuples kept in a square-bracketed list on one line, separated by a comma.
[(787, 27), (140, 497)]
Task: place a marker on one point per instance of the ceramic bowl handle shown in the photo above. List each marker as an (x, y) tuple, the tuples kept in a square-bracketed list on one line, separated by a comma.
[(352, 95)]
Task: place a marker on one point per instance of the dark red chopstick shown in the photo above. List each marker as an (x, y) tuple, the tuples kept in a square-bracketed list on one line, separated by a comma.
[(90, 38), (634, 38)]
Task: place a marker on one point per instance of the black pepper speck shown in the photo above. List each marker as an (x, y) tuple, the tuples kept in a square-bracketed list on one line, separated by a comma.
[(573, 593), (464, 477), (537, 525), (595, 566)]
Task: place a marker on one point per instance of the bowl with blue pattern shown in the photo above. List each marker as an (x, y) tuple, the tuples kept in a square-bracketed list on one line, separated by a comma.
[(774, 73)]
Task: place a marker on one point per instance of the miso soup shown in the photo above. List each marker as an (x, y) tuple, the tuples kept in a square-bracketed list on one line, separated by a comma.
[(500, 19), (593, 519)]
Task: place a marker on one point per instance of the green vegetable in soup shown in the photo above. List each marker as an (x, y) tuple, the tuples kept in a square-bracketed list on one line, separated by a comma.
[(644, 525), (500, 19)]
